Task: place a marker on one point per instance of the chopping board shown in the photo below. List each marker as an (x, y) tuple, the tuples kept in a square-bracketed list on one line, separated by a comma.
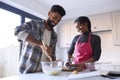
[(67, 69)]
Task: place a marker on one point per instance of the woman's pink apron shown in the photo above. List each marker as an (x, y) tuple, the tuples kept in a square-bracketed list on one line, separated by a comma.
[(83, 51)]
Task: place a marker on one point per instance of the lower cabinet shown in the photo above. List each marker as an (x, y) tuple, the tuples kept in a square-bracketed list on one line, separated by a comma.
[(110, 67), (116, 27)]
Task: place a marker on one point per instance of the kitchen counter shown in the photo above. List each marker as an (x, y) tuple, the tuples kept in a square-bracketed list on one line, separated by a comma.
[(37, 76), (61, 76)]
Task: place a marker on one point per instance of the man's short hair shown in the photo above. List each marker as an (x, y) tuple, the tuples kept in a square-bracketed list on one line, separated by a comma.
[(59, 9)]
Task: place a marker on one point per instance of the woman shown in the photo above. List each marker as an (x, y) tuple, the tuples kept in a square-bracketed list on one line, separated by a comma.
[(86, 46)]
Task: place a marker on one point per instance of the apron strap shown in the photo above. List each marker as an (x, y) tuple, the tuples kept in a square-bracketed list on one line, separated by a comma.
[(88, 38)]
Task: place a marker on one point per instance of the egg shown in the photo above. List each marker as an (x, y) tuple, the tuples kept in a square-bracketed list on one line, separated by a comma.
[(75, 72)]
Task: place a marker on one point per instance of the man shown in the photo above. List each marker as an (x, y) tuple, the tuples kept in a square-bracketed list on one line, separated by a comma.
[(38, 36)]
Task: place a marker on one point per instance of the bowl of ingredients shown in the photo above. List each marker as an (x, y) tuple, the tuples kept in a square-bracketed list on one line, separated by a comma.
[(92, 66), (52, 68)]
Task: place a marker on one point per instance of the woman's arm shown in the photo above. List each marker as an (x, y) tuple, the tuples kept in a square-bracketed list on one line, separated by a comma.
[(71, 49), (96, 45)]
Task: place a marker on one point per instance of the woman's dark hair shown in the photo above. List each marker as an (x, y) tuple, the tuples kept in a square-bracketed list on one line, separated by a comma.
[(83, 20), (59, 9)]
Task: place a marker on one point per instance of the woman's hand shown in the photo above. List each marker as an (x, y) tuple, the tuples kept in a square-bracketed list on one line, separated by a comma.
[(68, 63), (77, 67)]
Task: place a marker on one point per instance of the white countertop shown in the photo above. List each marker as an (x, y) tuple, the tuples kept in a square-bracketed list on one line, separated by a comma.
[(38, 76), (61, 76)]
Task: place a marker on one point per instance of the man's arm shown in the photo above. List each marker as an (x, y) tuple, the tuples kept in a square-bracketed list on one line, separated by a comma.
[(32, 40), (28, 38)]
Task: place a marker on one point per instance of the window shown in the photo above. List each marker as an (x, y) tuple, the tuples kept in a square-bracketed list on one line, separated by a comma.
[(8, 23), (10, 17)]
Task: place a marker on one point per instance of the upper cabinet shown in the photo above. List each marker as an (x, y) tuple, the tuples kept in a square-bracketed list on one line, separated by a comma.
[(116, 27), (101, 22)]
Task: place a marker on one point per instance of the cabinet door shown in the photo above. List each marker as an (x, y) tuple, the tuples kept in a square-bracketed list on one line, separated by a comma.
[(107, 67), (116, 27), (73, 31), (64, 35), (101, 22), (67, 31)]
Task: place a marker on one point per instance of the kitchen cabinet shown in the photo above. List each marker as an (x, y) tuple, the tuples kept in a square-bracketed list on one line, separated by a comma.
[(110, 67), (107, 67), (64, 35), (101, 22), (66, 31), (116, 27)]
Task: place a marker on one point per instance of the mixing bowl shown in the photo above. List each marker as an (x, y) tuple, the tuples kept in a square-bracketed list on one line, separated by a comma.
[(52, 68)]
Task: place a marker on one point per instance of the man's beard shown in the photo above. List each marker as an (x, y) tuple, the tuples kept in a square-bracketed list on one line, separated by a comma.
[(50, 23)]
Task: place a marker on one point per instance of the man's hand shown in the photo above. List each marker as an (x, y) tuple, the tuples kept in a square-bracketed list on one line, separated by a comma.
[(48, 50)]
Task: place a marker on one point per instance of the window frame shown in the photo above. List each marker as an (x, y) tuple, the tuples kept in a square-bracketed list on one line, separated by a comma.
[(19, 12), (23, 14)]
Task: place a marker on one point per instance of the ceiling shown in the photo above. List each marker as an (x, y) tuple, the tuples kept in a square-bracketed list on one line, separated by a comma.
[(75, 8)]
